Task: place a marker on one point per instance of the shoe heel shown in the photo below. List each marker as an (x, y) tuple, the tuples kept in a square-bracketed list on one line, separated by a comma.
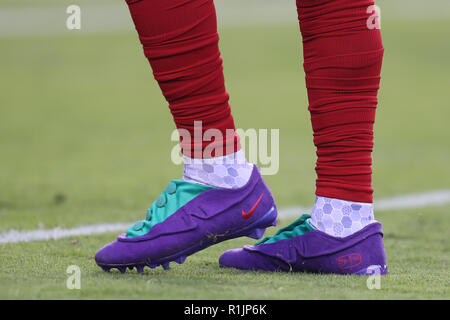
[(373, 270), (256, 233), (368, 257), (259, 227)]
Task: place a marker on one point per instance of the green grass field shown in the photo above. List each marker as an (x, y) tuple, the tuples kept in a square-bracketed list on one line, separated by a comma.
[(85, 138)]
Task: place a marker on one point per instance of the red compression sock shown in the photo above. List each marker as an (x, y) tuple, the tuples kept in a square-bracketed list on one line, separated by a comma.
[(343, 55), (180, 40)]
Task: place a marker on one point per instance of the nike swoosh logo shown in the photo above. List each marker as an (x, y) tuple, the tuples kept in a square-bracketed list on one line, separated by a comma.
[(247, 215)]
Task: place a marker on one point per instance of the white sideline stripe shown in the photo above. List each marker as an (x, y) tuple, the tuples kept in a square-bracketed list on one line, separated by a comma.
[(409, 201), (13, 236)]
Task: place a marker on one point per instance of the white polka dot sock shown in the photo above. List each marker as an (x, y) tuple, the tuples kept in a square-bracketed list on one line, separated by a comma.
[(340, 218), (230, 171)]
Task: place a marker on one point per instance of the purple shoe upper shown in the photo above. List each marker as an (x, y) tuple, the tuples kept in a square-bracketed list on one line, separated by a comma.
[(315, 251), (213, 216)]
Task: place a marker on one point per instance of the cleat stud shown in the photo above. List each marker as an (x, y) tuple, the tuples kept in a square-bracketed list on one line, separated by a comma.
[(166, 266), (106, 269), (140, 269), (122, 269), (180, 260)]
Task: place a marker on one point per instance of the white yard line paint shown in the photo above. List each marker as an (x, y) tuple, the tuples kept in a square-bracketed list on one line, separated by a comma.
[(409, 201), (114, 18), (13, 236)]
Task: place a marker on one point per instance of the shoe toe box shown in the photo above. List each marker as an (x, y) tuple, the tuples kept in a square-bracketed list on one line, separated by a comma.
[(116, 253), (245, 259)]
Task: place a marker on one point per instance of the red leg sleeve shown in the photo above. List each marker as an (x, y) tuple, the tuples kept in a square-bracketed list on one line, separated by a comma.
[(342, 63), (180, 40)]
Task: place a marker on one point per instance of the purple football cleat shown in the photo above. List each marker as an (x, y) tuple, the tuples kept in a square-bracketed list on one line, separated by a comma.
[(361, 253), (189, 217)]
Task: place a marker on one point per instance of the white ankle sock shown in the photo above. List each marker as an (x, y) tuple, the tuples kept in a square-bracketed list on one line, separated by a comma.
[(340, 218), (229, 171)]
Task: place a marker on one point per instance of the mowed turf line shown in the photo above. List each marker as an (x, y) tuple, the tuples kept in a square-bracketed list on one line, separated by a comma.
[(84, 138)]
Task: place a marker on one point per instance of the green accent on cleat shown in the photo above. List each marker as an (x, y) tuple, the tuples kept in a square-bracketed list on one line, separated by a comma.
[(176, 195), (296, 228)]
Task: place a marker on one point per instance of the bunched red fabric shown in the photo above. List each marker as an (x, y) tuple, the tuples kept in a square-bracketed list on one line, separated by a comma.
[(342, 61), (343, 57), (180, 40)]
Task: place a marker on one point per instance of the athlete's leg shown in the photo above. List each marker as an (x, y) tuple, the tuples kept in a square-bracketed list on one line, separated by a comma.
[(342, 62), (180, 40)]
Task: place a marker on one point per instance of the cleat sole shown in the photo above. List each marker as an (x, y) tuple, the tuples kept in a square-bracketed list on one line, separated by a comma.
[(257, 233), (255, 230)]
